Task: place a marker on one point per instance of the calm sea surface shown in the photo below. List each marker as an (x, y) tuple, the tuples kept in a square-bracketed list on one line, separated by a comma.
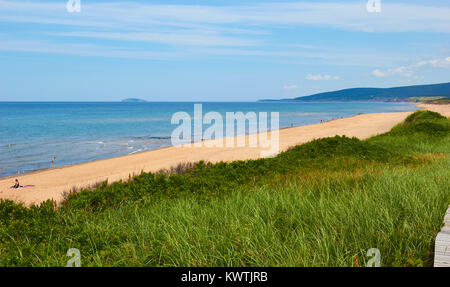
[(31, 133)]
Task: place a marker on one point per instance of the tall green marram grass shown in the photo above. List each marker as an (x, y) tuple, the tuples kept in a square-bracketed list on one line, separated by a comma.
[(422, 132), (323, 203)]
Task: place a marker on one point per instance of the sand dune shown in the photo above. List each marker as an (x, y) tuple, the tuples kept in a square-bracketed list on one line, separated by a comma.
[(51, 184)]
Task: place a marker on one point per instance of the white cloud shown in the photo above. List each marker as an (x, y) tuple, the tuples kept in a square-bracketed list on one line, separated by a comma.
[(320, 77), (439, 63), (378, 73), (410, 71), (291, 87)]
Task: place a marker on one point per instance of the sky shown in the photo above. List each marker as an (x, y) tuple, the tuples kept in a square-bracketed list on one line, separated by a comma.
[(217, 50)]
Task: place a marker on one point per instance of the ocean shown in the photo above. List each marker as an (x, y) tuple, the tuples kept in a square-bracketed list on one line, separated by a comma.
[(32, 133)]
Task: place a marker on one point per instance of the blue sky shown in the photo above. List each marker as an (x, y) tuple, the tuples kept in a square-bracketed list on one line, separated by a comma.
[(217, 50)]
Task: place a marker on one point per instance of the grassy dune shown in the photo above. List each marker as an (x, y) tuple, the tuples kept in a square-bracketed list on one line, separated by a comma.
[(324, 203)]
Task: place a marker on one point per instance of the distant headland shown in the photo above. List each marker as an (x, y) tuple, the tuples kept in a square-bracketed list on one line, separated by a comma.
[(133, 100), (397, 94)]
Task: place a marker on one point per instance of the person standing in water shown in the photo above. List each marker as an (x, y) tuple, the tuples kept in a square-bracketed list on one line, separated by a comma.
[(53, 162)]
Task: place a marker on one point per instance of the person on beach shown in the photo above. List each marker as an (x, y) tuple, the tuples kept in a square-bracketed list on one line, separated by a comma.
[(53, 162), (16, 184)]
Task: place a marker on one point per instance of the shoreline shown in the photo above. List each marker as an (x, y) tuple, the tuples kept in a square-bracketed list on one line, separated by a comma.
[(14, 176), (53, 183)]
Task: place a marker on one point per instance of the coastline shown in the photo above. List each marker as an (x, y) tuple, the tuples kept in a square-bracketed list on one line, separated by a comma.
[(53, 183)]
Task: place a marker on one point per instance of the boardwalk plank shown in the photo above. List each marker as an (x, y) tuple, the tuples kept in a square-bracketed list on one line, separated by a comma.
[(442, 245)]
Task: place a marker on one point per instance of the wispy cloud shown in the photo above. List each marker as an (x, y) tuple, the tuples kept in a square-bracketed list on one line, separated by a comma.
[(191, 38), (80, 49), (378, 73), (291, 87), (320, 77), (396, 17), (239, 30), (119, 50), (411, 71)]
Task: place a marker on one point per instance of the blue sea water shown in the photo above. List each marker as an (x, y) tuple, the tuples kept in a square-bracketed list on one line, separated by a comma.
[(32, 133)]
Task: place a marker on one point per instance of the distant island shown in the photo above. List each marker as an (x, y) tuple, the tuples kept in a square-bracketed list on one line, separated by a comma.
[(397, 94), (133, 100)]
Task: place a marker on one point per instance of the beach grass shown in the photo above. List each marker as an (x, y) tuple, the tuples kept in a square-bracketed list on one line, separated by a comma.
[(323, 203)]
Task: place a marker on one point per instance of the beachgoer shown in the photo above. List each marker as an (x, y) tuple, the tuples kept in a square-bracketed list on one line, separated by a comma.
[(53, 162), (16, 184)]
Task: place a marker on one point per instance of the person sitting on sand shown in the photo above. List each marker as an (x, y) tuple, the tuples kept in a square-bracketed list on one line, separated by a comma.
[(16, 184)]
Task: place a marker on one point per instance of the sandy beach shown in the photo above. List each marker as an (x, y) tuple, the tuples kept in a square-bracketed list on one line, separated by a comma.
[(442, 109), (52, 183)]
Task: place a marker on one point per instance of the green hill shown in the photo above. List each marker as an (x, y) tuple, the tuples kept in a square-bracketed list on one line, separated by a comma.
[(382, 94)]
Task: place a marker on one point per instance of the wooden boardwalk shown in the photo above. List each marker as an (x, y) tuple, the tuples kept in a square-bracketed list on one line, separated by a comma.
[(442, 246)]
